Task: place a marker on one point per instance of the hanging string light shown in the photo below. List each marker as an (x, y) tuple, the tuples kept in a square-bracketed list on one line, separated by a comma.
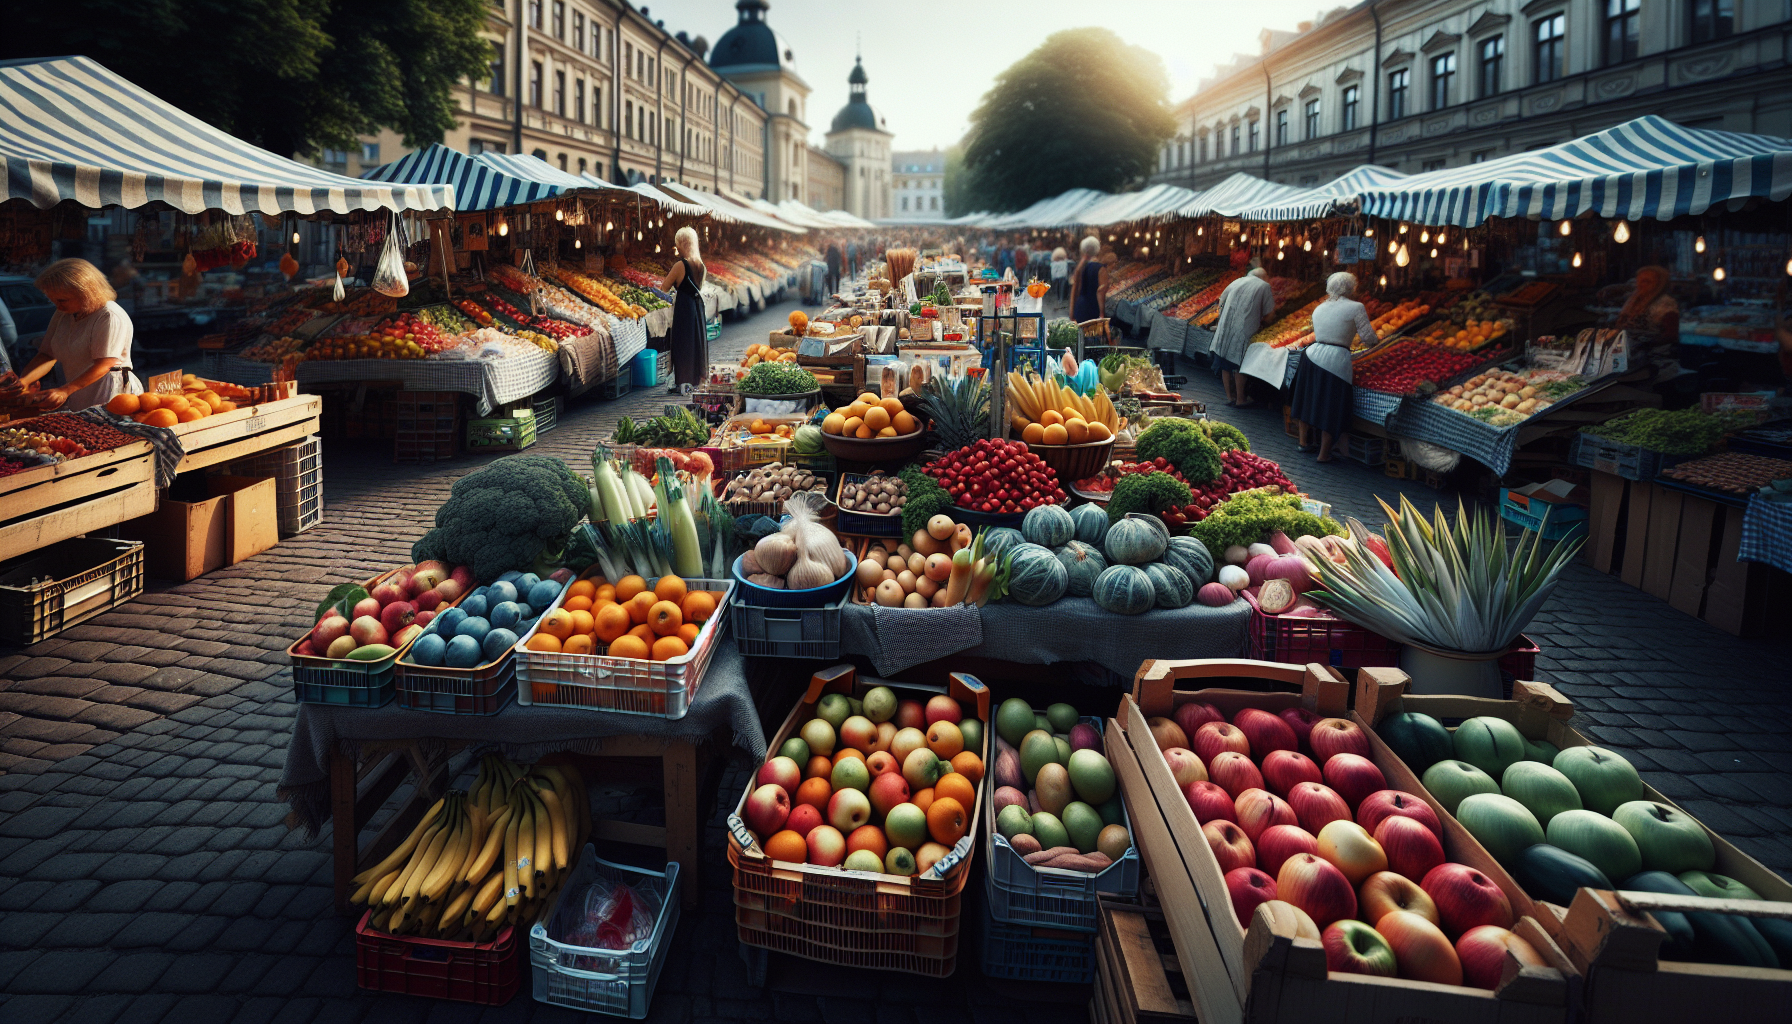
[(1200, 230), (1789, 268), (559, 214), (1717, 274), (1577, 259), (1308, 245), (1368, 232), (1403, 227), (1566, 228), (1384, 280), (1698, 244), (1434, 253), (1425, 236), (1402, 258), (1280, 255), (578, 243), (1440, 238), (1393, 246), (1621, 233)]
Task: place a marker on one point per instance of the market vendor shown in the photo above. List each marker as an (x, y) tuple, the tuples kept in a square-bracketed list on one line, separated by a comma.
[(1244, 306), (88, 339), (1088, 282), (1323, 396), (1650, 314)]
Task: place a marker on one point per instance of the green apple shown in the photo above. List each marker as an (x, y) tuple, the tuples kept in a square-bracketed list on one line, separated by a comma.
[(1419, 740), (880, 704), (1540, 750), (864, 860), (1490, 744), (1013, 821), (1061, 716), (1451, 781), (899, 862), (1014, 719), (1723, 887), (819, 735), (1501, 824), (796, 749), (1544, 791), (906, 826), (1598, 839), (1604, 779), (850, 773), (972, 731), (1668, 838), (834, 708)]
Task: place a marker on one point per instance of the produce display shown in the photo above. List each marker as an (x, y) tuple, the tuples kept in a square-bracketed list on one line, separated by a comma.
[(1292, 329), (583, 285), (1406, 366), (758, 353), (630, 619), (928, 573), (1250, 517), (996, 476), (875, 494), (196, 400), (777, 378), (482, 859), (1497, 391), (881, 785), (677, 429), (775, 482), (1730, 472), (360, 625), (23, 442), (801, 555), (1531, 293), (1282, 289), (1689, 431), (870, 416), (1055, 800), (488, 622), (1044, 412), (1203, 298), (1467, 336)]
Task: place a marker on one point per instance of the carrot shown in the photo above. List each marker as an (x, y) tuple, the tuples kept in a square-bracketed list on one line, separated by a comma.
[(983, 577), (959, 583)]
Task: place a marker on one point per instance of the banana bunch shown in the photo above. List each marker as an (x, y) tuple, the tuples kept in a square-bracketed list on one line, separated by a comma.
[(483, 858), (1043, 404)]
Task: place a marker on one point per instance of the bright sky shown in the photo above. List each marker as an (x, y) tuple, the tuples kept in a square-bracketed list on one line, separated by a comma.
[(930, 61)]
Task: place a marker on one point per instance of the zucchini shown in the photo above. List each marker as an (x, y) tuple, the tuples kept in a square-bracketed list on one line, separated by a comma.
[(1682, 942), (1718, 938), (1553, 874)]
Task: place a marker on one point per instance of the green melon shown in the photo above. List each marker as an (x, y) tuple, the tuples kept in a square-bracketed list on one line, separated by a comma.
[(1124, 590), (1084, 564), (1192, 557), (1091, 523), (1035, 576), (1135, 541), (1048, 526), (1173, 589)]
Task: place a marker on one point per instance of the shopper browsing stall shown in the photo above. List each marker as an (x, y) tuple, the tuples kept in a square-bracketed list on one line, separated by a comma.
[(1087, 282), (1322, 386), (1650, 314), (88, 339), (690, 343), (1244, 306)]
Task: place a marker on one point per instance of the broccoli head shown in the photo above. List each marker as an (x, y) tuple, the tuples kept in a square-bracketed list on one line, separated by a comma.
[(506, 516), (1185, 445), (1150, 493), (1226, 436)]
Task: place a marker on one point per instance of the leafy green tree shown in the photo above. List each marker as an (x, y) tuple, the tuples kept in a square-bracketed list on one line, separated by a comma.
[(291, 76), (1084, 109)]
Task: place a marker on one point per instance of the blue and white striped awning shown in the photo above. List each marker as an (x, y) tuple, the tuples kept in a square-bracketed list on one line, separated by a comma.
[(1333, 197), (478, 185), (1649, 167), (72, 130), (1062, 210), (1157, 201), (1236, 194), (534, 168)]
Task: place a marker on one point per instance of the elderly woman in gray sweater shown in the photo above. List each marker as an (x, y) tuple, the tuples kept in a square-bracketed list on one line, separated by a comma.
[(1323, 392)]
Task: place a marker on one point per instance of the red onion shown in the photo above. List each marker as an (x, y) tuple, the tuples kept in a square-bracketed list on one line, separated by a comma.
[(1255, 567), (1292, 568), (1281, 543), (1216, 595)]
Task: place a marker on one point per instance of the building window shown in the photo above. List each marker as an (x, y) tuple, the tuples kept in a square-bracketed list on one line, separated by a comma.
[(1493, 54), (1443, 71), (563, 161), (560, 33), (370, 154), (1352, 101), (578, 31), (1711, 19), (1433, 165), (1480, 156), (1282, 127), (1202, 156), (497, 86), (560, 93), (904, 204), (1621, 21), (1235, 140), (597, 105), (933, 202), (1312, 118), (581, 165), (1397, 85), (1256, 134), (535, 14), (535, 84), (336, 160), (579, 100), (628, 58), (539, 154), (1549, 47), (1181, 153), (628, 118)]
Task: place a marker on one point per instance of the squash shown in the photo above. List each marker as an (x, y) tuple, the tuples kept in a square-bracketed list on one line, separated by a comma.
[(999, 540), (1049, 526), (1172, 588), (1552, 873), (1717, 938), (1091, 523), (1192, 557), (1084, 564), (1035, 576), (1124, 590), (1135, 541)]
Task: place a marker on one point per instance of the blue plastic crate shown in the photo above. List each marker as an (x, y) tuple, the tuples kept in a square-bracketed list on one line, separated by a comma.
[(1554, 530), (811, 633), (619, 982), (343, 687), (1030, 953)]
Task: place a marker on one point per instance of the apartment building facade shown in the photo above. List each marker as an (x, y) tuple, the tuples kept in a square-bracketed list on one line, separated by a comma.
[(1420, 85), (919, 185)]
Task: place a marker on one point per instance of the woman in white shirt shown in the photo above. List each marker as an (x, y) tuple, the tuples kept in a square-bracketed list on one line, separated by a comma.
[(89, 339), (1323, 395)]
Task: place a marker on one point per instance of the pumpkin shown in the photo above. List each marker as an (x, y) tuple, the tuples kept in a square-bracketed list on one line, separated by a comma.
[(1049, 526), (1134, 540), (1035, 576), (1091, 523), (999, 540), (1216, 595), (1084, 564), (1192, 557), (1172, 588), (1124, 590)]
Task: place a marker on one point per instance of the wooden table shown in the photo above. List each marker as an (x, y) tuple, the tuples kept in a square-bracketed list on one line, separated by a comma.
[(41, 506), (250, 430)]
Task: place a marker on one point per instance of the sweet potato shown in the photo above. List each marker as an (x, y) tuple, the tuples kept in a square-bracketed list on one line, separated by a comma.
[(1024, 844), (1044, 855), (1067, 858)]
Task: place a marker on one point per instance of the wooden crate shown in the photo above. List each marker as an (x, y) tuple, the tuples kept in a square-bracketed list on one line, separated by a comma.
[(1265, 973), (41, 506), (226, 437), (1138, 979), (1609, 938)]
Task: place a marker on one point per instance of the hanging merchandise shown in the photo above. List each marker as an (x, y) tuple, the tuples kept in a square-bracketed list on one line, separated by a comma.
[(389, 276), (338, 293)]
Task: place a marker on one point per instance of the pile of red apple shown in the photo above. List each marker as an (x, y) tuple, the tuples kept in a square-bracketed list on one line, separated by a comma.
[(1296, 812), (863, 785), (392, 613)]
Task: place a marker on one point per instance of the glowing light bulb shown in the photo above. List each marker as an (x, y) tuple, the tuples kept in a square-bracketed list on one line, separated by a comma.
[(1789, 268), (1425, 236), (1698, 244), (578, 243), (1440, 238), (1577, 259), (1200, 231), (1621, 233), (1281, 243), (559, 214), (609, 225), (1281, 255), (1384, 280), (1403, 229), (1308, 245), (1718, 274), (503, 228), (295, 238), (638, 236), (1434, 253), (1368, 232), (1325, 252), (1402, 258), (1393, 247), (1566, 228)]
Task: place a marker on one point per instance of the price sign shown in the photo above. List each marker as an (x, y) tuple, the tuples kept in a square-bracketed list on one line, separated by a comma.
[(1346, 248), (164, 383)]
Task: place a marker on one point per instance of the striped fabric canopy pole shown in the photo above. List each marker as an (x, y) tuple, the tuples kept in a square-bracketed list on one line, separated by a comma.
[(72, 130), (1334, 198), (1649, 167), (477, 184)]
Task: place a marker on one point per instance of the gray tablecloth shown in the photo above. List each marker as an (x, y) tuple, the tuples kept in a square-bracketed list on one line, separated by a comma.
[(522, 733), (1196, 341), (1073, 629), (1167, 332), (492, 381)]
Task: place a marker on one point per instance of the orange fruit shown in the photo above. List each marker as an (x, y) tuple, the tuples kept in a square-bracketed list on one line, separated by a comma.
[(698, 606), (819, 767), (891, 405), (641, 606), (665, 618), (578, 643), (162, 418), (611, 622), (904, 423), (955, 787), (1050, 417), (845, 753), (149, 401), (544, 642), (583, 622), (582, 588), (922, 798), (557, 623), (1056, 433), (577, 604), (1033, 433), (645, 634), (628, 587), (668, 647), (604, 593), (189, 415), (123, 405), (627, 646), (877, 418), (788, 846), (669, 588), (688, 633), (226, 406), (815, 791), (175, 403), (946, 820), (969, 765)]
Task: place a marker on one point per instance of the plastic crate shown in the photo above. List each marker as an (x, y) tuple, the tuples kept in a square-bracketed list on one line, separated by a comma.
[(616, 386), (1553, 530), (67, 583), (487, 973), (1300, 641), (1370, 451), (1023, 895), (509, 433), (812, 633), (619, 982), (856, 918), (547, 413), (1029, 953), (427, 425), (864, 524), (1632, 462), (344, 682), (298, 472), (467, 691), (630, 686)]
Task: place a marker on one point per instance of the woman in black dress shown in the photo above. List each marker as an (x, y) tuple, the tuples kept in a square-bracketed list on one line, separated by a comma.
[(1086, 283), (689, 338)]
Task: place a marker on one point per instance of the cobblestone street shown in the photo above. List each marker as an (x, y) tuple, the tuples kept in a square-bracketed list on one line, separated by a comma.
[(146, 873)]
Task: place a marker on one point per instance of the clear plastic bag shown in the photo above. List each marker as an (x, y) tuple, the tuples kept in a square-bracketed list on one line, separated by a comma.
[(389, 277), (338, 293), (613, 916)]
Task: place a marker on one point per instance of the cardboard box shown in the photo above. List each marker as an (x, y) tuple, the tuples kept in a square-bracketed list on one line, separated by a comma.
[(207, 523)]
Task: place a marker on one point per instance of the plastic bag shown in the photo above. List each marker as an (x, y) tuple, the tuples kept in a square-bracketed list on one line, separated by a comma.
[(613, 916), (338, 293), (389, 277)]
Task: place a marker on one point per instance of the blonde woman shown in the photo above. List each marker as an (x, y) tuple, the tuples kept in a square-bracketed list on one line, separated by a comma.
[(690, 345), (88, 340), (1088, 282)]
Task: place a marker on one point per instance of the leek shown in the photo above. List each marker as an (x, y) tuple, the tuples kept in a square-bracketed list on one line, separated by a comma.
[(609, 490), (675, 517)]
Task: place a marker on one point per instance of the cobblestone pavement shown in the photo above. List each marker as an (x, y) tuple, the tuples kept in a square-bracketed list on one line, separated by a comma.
[(145, 873)]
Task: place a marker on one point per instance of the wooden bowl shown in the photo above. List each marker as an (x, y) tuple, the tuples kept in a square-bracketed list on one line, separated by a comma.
[(1074, 461), (901, 448)]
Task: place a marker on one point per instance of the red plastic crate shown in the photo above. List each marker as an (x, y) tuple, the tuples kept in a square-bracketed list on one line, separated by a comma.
[(487, 973), (1296, 640), (1521, 661)]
